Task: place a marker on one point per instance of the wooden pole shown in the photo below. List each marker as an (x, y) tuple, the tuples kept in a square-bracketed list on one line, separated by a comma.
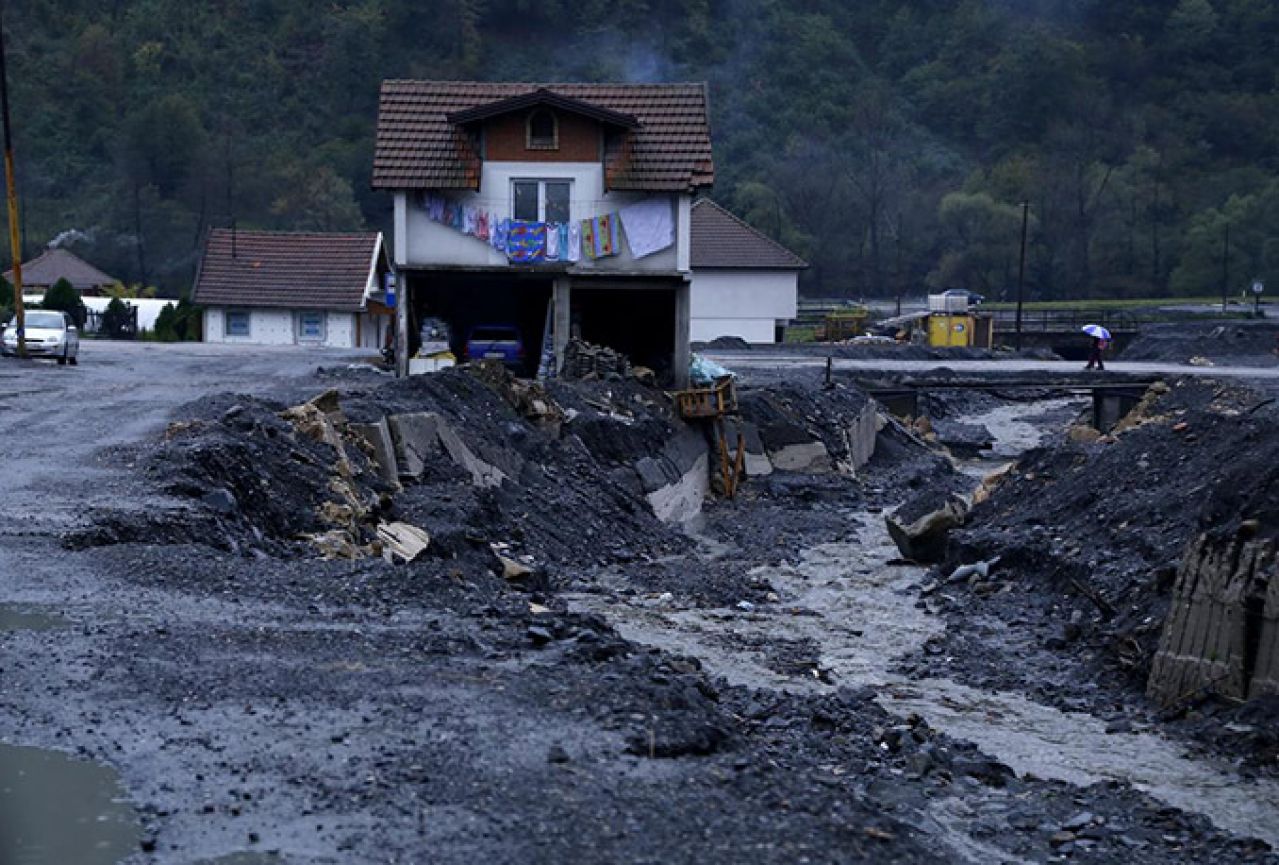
[(15, 238), (1021, 267)]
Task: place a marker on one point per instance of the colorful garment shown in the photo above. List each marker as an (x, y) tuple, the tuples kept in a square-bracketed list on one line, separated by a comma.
[(526, 242), (482, 226), (501, 231), (435, 207), (600, 236), (563, 231), (470, 218)]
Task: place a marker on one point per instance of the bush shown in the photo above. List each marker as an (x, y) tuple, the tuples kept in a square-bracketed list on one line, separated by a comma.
[(118, 321), (166, 324), (62, 295)]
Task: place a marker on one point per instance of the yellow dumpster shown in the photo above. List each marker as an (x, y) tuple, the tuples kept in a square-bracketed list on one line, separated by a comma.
[(949, 330)]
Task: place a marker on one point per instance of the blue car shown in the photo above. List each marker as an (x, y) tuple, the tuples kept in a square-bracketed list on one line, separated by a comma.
[(496, 342)]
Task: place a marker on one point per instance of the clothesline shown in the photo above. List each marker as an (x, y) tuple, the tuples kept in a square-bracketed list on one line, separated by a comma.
[(650, 228)]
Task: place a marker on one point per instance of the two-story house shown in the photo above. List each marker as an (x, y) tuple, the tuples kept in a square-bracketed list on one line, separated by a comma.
[(561, 209)]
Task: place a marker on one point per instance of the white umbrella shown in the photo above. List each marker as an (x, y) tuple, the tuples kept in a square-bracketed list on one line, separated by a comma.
[(1096, 330)]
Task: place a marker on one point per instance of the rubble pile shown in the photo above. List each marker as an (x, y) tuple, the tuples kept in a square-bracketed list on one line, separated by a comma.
[(1205, 343), (584, 360)]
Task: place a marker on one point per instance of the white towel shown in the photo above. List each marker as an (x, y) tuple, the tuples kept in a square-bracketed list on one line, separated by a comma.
[(574, 251), (649, 225), (552, 242)]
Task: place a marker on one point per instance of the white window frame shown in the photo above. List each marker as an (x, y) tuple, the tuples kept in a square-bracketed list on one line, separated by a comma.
[(248, 323), (541, 194), (324, 325)]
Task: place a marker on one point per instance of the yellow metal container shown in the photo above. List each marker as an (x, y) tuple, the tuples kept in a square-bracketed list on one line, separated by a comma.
[(950, 330)]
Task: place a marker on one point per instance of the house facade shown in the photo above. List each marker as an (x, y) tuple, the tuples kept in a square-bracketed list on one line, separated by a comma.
[(563, 210), (283, 288), (745, 284)]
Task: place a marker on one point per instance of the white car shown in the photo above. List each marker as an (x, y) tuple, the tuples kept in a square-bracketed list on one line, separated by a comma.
[(50, 333)]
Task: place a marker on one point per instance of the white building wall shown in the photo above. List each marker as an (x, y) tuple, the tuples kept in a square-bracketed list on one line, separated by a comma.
[(420, 242), (339, 330), (742, 303), (214, 324), (753, 330)]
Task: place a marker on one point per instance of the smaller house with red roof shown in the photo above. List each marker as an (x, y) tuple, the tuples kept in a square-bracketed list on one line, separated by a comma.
[(745, 284), (286, 288)]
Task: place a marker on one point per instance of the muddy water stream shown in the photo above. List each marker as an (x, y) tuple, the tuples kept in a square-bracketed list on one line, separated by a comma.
[(863, 616)]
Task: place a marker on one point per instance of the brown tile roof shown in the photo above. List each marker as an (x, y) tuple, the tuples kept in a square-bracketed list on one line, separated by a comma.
[(55, 264), (286, 270), (721, 240), (418, 148)]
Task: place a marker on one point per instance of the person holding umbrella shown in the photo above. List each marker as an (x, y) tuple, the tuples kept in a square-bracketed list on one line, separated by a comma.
[(1100, 339)]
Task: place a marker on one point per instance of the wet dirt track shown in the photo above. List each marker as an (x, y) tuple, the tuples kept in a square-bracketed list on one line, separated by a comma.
[(269, 710)]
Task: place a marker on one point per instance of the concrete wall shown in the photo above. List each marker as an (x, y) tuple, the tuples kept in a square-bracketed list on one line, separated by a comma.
[(742, 303), (279, 327), (419, 242), (1222, 632)]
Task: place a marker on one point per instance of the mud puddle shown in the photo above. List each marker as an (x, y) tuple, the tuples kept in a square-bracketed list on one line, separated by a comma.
[(13, 618), (55, 810), (1017, 428)]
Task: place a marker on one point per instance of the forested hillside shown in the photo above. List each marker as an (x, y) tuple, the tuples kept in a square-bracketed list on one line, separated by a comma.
[(891, 143)]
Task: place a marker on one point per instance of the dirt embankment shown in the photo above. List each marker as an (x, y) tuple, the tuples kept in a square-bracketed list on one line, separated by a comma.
[(1229, 343), (1089, 533)]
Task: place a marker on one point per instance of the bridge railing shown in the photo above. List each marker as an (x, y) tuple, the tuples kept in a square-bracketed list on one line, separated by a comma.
[(1069, 320)]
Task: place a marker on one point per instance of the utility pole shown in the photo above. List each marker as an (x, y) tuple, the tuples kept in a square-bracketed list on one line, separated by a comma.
[(1225, 269), (15, 238), (1021, 267)]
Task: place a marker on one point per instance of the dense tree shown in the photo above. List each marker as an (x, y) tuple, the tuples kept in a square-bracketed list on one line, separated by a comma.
[(62, 295), (862, 134)]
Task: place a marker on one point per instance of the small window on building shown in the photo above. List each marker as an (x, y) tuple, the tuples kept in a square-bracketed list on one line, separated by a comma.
[(542, 200), (311, 326), (237, 322), (543, 131)]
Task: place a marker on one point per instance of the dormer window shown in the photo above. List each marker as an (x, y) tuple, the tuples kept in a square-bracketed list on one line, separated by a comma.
[(543, 130)]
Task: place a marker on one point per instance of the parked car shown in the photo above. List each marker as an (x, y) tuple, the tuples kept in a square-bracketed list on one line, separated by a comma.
[(495, 342), (50, 333), (973, 297)]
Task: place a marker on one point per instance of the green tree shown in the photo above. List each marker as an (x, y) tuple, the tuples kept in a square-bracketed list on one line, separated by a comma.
[(118, 320), (166, 329), (62, 295)]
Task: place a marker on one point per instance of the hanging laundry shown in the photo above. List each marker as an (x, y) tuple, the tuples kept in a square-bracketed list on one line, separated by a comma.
[(649, 225), (563, 231), (574, 241), (501, 231), (526, 242), (552, 242), (435, 207), (469, 220), (482, 226), (600, 236)]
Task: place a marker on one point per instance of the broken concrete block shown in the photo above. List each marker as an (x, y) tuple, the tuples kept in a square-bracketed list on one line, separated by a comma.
[(810, 457), (482, 474), (652, 474), (378, 436), (416, 438), (681, 501), (924, 540), (402, 542)]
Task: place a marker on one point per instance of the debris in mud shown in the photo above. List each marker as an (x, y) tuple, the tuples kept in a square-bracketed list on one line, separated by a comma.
[(922, 537), (1092, 536)]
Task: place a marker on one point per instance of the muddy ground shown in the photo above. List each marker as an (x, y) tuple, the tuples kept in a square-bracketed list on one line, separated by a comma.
[(262, 703)]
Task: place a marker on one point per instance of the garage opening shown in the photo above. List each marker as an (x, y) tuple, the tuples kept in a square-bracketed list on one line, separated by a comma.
[(472, 303), (638, 322)]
